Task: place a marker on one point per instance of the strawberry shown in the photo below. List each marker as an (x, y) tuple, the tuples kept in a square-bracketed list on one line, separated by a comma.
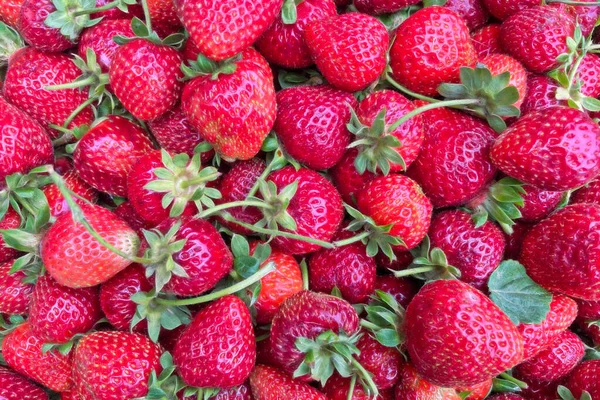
[(30, 73), (114, 365), (242, 392), (472, 11), (57, 203), (9, 11), (10, 220), (115, 297), (127, 213), (541, 93), (15, 293), (506, 396), (589, 74), (555, 148), (446, 47), (377, 7), (133, 10), (283, 42), (555, 361), (383, 362), (592, 332), (552, 261), (499, 63), (337, 388), (22, 350), (269, 383), (106, 154), (536, 36), (477, 392), (585, 378), (586, 17), (163, 14), (471, 341), (218, 348), (16, 387), (235, 121), (589, 310), (414, 387), (32, 27), (454, 164), (75, 259), (398, 201), (311, 124), (99, 38), (221, 30), (401, 289), (538, 204), (486, 40), (346, 178), (349, 49), (502, 9), (589, 193)]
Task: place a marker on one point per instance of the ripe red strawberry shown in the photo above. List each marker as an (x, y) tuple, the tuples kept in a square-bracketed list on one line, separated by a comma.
[(349, 49), (472, 11), (538, 204), (269, 383), (381, 361), (586, 17), (32, 27), (99, 38), (75, 259), (311, 124), (502, 9), (218, 348), (541, 93), (9, 11), (347, 268), (475, 251), (555, 361), (499, 63), (337, 389), (401, 289), (477, 392), (316, 207), (163, 14), (242, 392), (471, 341), (506, 396), (127, 213), (446, 47), (414, 387), (235, 111), (133, 10), (589, 74), (16, 387), (106, 154), (589, 193), (585, 378), (57, 203), (454, 164), (397, 200), (10, 220), (486, 40), (283, 44), (28, 74), (115, 297), (346, 178), (377, 7), (22, 351), (146, 78), (14, 294), (556, 148), (537, 35), (536, 337), (588, 309), (114, 365)]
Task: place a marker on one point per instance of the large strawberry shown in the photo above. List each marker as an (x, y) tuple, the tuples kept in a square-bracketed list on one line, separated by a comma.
[(14, 386), (269, 383), (349, 49), (585, 378), (414, 387), (36, 33), (56, 201), (15, 294), (99, 38)]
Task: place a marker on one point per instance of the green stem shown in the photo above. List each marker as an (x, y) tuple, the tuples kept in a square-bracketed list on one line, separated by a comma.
[(409, 92), (304, 271), (65, 138), (225, 206), (261, 273), (439, 104), (147, 15), (199, 179), (77, 111), (514, 380), (413, 271), (105, 7), (369, 384), (352, 239), (351, 388), (265, 173), (75, 84), (573, 72), (368, 325)]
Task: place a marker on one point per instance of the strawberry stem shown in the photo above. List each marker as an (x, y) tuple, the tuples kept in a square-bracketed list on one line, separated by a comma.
[(147, 15), (76, 111), (439, 104), (278, 157), (198, 180), (413, 271), (409, 92), (225, 206), (351, 388), (353, 239), (365, 376), (304, 272), (105, 7)]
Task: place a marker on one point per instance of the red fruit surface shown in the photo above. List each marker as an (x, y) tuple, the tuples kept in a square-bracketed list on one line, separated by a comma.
[(269, 383), (413, 387), (163, 14), (486, 40), (337, 388), (14, 294), (36, 33), (514, 241), (538, 204), (585, 378), (541, 93), (133, 10), (477, 392), (57, 203), (99, 38), (589, 75), (377, 7), (14, 386), (589, 193), (472, 11), (382, 362), (402, 289), (11, 220), (586, 17), (346, 178), (9, 11), (503, 9), (588, 309), (127, 213), (500, 63)]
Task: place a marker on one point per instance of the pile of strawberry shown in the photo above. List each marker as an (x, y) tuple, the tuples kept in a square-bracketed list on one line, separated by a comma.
[(299, 199)]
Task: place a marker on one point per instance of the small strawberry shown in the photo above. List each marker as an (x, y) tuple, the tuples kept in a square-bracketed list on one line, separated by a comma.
[(36, 33), (99, 38), (57, 203), (486, 40), (538, 204), (10, 220), (585, 378), (589, 193), (499, 63), (114, 365), (502, 9), (16, 387), (349, 49), (347, 179), (414, 387), (269, 383), (401, 289), (472, 11), (15, 294), (377, 7)]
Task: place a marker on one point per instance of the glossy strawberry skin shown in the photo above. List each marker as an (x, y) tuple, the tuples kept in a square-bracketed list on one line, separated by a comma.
[(36, 33), (468, 336), (316, 207), (349, 49), (476, 252), (237, 120), (414, 387), (14, 386), (502, 9), (454, 165), (107, 152), (586, 17), (538, 204), (377, 7), (22, 350), (311, 124), (9, 12), (133, 10), (589, 74), (270, 383), (346, 178), (472, 11), (382, 362), (435, 34), (114, 365), (500, 63), (402, 289), (146, 78), (218, 348), (589, 193), (337, 388), (557, 148), (307, 314), (24, 144), (163, 14), (477, 392), (486, 40), (541, 93), (99, 38), (127, 213), (15, 295), (535, 36), (75, 259), (11, 220), (397, 200), (585, 378), (57, 203)]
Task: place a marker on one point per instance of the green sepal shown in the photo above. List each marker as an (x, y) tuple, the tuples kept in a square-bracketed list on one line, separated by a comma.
[(10, 42), (63, 348), (429, 264), (158, 315), (141, 31), (385, 319), (23, 193), (288, 12), (203, 66), (305, 77), (166, 385), (565, 394), (277, 216), (506, 383), (393, 20)]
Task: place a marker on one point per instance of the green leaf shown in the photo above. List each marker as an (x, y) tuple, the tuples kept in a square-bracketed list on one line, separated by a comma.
[(591, 104), (239, 246), (288, 12), (245, 266)]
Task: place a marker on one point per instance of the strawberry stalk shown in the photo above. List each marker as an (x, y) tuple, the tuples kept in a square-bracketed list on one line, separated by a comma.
[(440, 104), (429, 264), (276, 160), (240, 203), (147, 18), (351, 388)]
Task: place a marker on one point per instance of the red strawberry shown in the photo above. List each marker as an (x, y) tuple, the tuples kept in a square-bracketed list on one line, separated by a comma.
[(383, 362), (589, 74), (218, 348), (592, 332), (588, 309), (556, 361), (133, 10), (503, 9), (9, 11), (399, 201), (471, 341), (500, 63), (559, 253), (23, 143), (10, 220), (337, 389), (32, 27), (487, 40), (14, 294), (541, 93), (57, 203), (538, 204), (242, 392), (514, 241), (377, 7), (454, 164), (589, 193), (556, 148), (269, 383), (506, 396), (75, 259), (115, 297), (475, 251), (22, 350), (586, 17), (107, 152), (446, 47), (16, 387), (114, 365), (585, 378), (472, 11), (163, 14), (311, 124), (537, 35), (146, 78), (346, 178), (283, 44), (30, 72), (234, 111), (413, 387), (127, 213), (349, 49), (99, 38), (477, 392), (401, 289)]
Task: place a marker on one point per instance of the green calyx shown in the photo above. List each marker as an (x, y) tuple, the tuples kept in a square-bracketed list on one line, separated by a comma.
[(566, 394), (71, 17), (143, 30), (91, 76), (203, 66), (429, 264), (10, 42), (333, 352), (276, 215), (288, 11), (23, 193), (158, 316), (378, 149), (506, 383), (384, 319)]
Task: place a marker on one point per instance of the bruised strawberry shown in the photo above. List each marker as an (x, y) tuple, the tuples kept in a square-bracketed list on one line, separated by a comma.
[(57, 203), (414, 387), (99, 38), (269, 383), (14, 386), (486, 40), (14, 294)]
